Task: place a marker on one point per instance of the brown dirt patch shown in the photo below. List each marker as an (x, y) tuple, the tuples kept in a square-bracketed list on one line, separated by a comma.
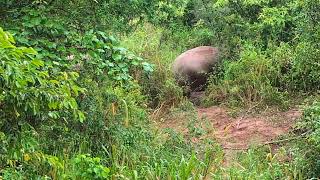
[(236, 133), (246, 130)]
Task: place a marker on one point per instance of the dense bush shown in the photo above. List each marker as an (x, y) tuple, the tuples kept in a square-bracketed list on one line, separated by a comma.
[(304, 73), (31, 94), (40, 139), (248, 80), (309, 145)]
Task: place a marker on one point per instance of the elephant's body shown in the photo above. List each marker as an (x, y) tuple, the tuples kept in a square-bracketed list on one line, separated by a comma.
[(191, 68)]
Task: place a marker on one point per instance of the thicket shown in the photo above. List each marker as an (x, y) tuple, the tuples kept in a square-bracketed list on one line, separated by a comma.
[(71, 100), (74, 103)]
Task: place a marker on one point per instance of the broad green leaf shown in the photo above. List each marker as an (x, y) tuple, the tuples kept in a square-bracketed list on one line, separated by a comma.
[(37, 62)]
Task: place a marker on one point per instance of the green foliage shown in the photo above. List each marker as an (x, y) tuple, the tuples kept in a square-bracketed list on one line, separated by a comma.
[(89, 168), (27, 88), (311, 121), (116, 127), (168, 13), (77, 69), (118, 16), (103, 56), (262, 163), (80, 167), (160, 87), (287, 60), (84, 14), (309, 148), (297, 66), (305, 68), (248, 81), (91, 50)]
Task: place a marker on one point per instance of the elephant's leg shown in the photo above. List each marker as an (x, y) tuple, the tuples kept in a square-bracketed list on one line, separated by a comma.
[(198, 82)]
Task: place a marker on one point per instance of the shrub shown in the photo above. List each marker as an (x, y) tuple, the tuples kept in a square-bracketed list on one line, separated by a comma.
[(86, 167), (32, 94), (309, 145), (28, 87), (247, 81), (304, 73)]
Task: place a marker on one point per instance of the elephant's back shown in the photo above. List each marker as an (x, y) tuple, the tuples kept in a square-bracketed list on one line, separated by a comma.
[(196, 59)]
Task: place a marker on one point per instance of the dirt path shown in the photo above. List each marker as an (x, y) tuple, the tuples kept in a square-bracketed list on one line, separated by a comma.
[(246, 130), (236, 133)]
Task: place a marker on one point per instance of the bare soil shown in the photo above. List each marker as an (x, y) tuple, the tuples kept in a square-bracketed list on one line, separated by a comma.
[(236, 133), (246, 130)]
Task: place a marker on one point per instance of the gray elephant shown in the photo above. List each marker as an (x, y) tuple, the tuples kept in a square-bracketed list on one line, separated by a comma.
[(191, 68)]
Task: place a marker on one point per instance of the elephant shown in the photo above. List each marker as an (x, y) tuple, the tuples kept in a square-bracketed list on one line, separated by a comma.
[(191, 68)]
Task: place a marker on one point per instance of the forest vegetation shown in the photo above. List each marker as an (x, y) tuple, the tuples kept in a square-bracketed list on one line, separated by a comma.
[(83, 84)]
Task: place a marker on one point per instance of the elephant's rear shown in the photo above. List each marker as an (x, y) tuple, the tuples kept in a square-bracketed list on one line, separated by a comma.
[(192, 66)]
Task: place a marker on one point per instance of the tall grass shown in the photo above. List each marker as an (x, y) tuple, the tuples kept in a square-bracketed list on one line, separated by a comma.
[(160, 87)]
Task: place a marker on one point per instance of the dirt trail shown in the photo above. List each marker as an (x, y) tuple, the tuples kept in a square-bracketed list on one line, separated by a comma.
[(246, 130), (237, 133)]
